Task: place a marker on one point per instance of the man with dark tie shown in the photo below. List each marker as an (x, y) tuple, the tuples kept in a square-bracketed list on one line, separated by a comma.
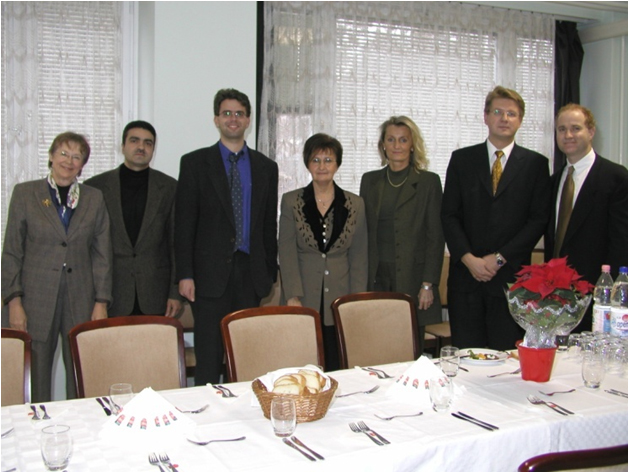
[(588, 221), (141, 206), (494, 211), (226, 229)]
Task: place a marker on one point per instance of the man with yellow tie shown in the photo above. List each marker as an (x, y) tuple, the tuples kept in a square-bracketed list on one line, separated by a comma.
[(495, 209), (588, 222)]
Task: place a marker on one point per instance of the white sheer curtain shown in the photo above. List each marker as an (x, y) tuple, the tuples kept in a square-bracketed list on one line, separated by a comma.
[(344, 67), (61, 70)]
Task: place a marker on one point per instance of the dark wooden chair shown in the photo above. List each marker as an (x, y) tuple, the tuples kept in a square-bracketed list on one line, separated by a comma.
[(375, 328), (597, 459), (16, 367), (264, 339), (145, 351)]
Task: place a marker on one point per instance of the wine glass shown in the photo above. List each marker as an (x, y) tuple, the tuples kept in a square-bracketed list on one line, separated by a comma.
[(120, 394)]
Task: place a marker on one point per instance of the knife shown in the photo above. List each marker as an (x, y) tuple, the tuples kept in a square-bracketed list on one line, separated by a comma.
[(454, 414), (102, 404), (291, 444), (478, 420), (552, 404), (302, 445), (616, 392)]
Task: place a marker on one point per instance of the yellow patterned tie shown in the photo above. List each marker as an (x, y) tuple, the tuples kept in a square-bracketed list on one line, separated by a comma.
[(565, 210), (496, 171)]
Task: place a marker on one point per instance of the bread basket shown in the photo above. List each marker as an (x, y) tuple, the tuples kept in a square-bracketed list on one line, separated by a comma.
[(309, 407)]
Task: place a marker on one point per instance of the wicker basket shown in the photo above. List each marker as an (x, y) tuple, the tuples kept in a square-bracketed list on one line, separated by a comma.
[(309, 406)]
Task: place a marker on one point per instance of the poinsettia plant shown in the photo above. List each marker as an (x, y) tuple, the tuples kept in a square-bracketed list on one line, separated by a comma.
[(546, 299)]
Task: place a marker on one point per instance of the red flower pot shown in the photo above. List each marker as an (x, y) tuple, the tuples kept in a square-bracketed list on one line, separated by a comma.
[(536, 363)]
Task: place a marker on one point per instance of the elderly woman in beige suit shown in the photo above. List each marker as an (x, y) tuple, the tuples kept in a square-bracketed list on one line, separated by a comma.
[(403, 206), (56, 259), (323, 240)]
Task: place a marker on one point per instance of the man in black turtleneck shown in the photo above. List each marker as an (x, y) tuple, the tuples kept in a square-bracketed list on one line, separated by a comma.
[(140, 201)]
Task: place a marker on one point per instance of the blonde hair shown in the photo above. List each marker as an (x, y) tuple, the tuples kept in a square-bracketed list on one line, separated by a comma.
[(418, 153)]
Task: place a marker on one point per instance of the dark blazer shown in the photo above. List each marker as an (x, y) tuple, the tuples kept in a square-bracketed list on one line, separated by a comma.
[(149, 267), (419, 237), (204, 222), (597, 232), (308, 272), (36, 247), (511, 222)]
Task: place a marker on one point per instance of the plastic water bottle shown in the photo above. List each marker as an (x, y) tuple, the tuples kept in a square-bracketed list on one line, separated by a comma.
[(601, 311), (620, 296)]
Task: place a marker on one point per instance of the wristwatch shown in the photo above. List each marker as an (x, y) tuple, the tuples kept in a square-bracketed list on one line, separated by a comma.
[(499, 259), (427, 287)]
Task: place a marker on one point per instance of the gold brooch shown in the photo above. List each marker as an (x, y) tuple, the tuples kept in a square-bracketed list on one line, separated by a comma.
[(46, 202)]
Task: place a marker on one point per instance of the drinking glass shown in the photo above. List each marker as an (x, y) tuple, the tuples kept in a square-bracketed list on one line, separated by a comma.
[(283, 416), (120, 394), (56, 446), (441, 392), (593, 369), (449, 361), (574, 346)]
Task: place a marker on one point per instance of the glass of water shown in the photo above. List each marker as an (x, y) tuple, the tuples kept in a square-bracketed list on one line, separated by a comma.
[(56, 446)]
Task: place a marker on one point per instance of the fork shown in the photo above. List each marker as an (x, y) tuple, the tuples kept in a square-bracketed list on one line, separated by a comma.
[(43, 408), (557, 392), (194, 411), (35, 413), (506, 372), (379, 373), (196, 442), (364, 428), (369, 434), (400, 415), (535, 400), (225, 392), (163, 458), (372, 390), (155, 462)]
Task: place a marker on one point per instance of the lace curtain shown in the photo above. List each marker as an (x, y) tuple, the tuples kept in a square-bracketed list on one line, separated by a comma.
[(344, 67), (61, 70)]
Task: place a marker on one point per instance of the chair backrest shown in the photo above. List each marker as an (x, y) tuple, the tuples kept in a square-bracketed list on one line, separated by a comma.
[(16, 367), (264, 339), (145, 351), (375, 328), (597, 459)]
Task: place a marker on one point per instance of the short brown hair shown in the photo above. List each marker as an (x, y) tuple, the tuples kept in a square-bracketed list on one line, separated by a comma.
[(233, 94), (70, 137), (500, 92), (322, 142), (590, 122)]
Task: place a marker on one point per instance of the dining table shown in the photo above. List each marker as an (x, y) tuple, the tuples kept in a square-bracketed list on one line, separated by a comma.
[(433, 441)]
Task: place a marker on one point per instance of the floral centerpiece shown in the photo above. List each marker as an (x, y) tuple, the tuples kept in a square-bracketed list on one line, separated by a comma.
[(548, 299)]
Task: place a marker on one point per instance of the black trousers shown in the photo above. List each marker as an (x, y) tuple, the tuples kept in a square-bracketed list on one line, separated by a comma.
[(208, 313)]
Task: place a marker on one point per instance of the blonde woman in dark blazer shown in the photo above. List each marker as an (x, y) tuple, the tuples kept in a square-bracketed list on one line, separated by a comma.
[(323, 240), (403, 206), (56, 259)]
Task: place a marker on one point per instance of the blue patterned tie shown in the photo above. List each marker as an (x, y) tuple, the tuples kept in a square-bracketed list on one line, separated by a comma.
[(236, 194)]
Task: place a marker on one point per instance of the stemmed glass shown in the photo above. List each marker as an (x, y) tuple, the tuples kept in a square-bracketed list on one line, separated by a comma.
[(120, 394)]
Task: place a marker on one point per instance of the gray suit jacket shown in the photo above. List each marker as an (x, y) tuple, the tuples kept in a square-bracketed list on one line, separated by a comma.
[(306, 271), (419, 237), (149, 267), (36, 248)]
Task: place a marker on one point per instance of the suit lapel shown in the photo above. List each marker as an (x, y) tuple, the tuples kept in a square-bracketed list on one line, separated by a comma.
[(585, 200), (218, 179), (379, 189), (48, 208), (409, 190), (79, 213), (154, 198), (512, 169), (112, 194), (479, 164)]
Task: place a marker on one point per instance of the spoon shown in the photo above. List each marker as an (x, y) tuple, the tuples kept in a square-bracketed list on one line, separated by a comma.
[(196, 442), (194, 411), (402, 415), (558, 392), (372, 390)]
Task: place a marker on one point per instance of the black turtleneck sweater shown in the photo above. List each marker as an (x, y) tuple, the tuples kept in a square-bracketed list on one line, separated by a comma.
[(134, 186)]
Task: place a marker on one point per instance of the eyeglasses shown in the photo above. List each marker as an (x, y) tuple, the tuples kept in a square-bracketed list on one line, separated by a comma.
[(499, 113), (229, 113), (325, 161), (73, 157)]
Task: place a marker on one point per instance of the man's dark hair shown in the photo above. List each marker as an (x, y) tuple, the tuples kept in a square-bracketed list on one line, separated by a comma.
[(138, 124), (226, 94)]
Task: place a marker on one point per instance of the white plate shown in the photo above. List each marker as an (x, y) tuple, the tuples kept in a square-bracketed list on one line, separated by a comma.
[(502, 356)]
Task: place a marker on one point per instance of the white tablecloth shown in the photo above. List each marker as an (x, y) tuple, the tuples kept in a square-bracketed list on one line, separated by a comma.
[(431, 442)]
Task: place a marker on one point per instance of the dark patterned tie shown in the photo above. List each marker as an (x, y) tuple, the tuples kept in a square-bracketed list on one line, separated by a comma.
[(236, 193), (496, 171), (565, 210)]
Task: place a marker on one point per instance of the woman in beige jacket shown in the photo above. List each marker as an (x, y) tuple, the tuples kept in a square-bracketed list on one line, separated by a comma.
[(323, 240)]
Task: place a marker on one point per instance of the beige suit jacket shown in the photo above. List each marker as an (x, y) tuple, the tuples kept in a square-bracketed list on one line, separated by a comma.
[(37, 247)]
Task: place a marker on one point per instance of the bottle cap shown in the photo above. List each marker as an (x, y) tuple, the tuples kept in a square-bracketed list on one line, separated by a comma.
[(623, 269), (606, 268)]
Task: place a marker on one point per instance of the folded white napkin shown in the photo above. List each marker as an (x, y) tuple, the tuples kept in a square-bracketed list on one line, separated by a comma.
[(148, 416), (412, 385)]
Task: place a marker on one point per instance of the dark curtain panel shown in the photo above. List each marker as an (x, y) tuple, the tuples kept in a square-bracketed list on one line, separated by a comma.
[(259, 66), (568, 62)]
